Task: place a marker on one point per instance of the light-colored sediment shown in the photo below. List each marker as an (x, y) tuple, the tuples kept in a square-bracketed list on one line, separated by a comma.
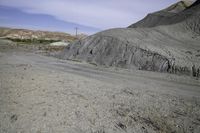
[(40, 94)]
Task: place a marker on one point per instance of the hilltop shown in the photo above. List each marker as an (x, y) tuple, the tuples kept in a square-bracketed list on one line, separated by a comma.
[(164, 17)]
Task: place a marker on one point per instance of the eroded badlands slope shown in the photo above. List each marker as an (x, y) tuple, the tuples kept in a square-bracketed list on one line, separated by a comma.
[(173, 47)]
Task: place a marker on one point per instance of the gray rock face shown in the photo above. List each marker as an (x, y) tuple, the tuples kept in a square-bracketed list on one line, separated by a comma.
[(171, 48), (118, 54)]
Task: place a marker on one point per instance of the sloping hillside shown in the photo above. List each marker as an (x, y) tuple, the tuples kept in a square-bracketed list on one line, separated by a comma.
[(173, 48), (165, 17)]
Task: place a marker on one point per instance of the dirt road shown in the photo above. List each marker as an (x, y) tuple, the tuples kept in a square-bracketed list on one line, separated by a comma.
[(40, 94)]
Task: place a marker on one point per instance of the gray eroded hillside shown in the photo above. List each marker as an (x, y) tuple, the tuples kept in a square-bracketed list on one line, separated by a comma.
[(167, 16), (173, 47)]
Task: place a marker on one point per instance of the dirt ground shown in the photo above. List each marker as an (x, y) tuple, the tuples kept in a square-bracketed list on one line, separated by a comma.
[(40, 94)]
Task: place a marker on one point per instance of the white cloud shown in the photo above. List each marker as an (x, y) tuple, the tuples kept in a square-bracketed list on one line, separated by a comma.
[(100, 14)]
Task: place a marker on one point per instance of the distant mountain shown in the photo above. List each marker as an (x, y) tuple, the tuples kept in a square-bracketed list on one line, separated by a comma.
[(25, 34), (165, 41)]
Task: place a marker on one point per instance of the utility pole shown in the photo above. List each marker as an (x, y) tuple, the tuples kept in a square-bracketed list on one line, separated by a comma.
[(76, 28)]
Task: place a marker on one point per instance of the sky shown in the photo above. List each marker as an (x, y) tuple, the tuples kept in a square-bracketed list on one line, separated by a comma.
[(90, 16)]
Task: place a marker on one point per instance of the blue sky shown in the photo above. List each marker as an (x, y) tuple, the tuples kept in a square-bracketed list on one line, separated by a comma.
[(89, 16)]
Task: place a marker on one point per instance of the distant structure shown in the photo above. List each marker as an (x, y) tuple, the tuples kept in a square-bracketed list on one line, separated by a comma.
[(76, 28)]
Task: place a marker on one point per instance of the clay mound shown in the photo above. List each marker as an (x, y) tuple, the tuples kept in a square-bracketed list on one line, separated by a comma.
[(171, 48)]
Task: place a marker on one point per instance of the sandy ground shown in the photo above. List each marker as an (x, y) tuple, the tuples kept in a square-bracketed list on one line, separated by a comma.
[(40, 94)]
